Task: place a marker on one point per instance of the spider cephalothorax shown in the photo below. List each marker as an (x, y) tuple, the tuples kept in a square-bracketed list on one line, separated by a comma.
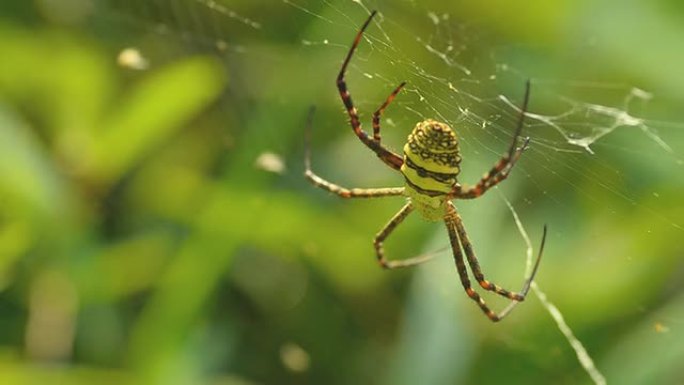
[(430, 166)]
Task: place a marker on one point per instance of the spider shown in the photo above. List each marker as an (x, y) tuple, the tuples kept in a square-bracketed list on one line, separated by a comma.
[(430, 166)]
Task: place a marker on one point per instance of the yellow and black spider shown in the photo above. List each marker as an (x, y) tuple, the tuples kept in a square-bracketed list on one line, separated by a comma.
[(430, 166)]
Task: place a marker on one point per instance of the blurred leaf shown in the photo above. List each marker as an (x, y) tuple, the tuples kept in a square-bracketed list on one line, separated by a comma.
[(435, 345), (652, 352), (15, 239), (180, 295), (63, 78), (155, 109), (29, 182), (108, 276)]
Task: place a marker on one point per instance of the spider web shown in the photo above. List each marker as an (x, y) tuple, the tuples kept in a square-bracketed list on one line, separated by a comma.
[(592, 138)]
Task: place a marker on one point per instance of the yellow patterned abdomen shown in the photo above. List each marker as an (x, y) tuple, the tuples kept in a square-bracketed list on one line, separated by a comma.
[(431, 167)]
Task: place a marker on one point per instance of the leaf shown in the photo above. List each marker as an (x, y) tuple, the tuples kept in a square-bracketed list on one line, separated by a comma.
[(155, 110)]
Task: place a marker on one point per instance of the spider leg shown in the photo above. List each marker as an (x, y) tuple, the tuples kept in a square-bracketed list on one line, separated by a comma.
[(477, 271), (528, 281), (344, 192), (390, 158), (459, 239), (503, 167), (463, 272), (385, 232), (379, 111), (333, 188)]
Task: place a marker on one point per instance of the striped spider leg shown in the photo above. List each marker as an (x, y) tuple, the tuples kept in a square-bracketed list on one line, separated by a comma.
[(430, 167), (390, 158), (459, 240), (503, 167)]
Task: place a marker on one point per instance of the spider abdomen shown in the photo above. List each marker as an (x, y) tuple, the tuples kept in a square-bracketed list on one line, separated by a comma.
[(431, 166)]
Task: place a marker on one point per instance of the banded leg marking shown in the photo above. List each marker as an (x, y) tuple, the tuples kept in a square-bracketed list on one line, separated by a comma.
[(385, 232), (332, 187), (459, 239), (381, 109), (463, 271), (503, 167), (388, 157)]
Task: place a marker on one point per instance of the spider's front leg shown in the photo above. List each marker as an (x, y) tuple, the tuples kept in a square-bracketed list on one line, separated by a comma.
[(497, 174), (503, 167), (332, 187), (379, 111), (390, 158)]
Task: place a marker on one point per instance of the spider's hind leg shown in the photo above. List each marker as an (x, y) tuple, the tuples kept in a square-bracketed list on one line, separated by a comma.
[(459, 238), (477, 271), (463, 271), (385, 232)]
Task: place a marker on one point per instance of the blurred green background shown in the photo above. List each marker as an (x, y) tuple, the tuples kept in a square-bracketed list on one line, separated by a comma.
[(156, 228)]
